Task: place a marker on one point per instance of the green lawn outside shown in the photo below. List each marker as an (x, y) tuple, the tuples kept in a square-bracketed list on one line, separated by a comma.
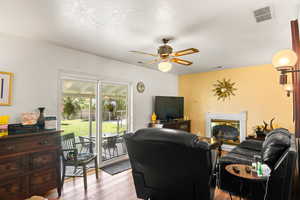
[(81, 128)]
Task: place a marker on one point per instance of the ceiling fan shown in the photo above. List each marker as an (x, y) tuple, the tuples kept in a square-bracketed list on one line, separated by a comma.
[(165, 56)]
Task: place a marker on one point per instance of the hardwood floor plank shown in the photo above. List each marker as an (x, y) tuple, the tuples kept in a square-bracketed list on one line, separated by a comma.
[(108, 187)]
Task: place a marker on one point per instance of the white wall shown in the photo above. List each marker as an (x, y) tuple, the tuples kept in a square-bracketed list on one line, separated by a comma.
[(37, 64)]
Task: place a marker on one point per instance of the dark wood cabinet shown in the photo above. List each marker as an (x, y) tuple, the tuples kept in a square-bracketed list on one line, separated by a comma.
[(29, 164), (184, 125), (11, 167), (43, 181), (14, 188)]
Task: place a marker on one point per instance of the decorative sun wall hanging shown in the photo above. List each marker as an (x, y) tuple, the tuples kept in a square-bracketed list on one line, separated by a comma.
[(224, 89)]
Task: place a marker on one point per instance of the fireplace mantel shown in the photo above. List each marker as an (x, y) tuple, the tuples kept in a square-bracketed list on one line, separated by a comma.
[(241, 117)]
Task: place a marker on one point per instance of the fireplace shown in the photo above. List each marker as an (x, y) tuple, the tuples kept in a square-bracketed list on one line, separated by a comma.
[(230, 127), (226, 130)]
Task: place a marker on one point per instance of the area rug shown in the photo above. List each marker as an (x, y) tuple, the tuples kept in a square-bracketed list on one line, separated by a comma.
[(117, 167)]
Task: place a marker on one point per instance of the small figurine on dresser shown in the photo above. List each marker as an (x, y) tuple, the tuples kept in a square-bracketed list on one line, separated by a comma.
[(154, 122), (41, 120), (153, 118)]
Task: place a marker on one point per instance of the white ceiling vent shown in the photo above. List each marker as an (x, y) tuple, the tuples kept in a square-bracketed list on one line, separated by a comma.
[(263, 14)]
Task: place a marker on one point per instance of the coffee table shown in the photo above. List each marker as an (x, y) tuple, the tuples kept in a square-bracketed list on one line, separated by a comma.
[(244, 175)]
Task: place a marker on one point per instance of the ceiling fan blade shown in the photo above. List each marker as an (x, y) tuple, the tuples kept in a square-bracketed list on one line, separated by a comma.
[(151, 62), (185, 52), (140, 52), (180, 61)]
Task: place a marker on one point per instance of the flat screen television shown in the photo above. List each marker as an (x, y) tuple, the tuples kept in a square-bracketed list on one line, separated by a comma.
[(169, 108)]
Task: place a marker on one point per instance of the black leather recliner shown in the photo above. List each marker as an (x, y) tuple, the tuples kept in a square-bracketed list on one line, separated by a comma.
[(170, 164), (278, 151)]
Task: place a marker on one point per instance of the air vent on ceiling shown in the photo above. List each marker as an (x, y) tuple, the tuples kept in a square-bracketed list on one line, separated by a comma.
[(218, 67), (263, 14)]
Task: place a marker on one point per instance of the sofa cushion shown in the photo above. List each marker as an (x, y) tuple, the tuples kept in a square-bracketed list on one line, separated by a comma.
[(251, 144), (233, 158), (277, 141), (246, 152)]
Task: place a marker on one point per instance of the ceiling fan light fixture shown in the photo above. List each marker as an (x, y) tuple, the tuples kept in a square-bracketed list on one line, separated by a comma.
[(164, 66), (165, 56)]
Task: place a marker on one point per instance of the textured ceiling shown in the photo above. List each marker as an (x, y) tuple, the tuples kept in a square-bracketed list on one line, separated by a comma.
[(86, 89), (225, 32)]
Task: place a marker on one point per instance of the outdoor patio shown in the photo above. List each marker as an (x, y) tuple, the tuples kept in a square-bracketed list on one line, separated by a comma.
[(79, 116)]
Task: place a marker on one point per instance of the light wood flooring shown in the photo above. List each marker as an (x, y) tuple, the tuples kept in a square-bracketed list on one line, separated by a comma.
[(107, 187)]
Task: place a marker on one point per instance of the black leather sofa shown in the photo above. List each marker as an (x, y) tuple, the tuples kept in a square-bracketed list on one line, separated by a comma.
[(278, 151), (170, 164)]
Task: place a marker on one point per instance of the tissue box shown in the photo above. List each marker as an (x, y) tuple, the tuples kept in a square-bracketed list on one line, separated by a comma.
[(50, 123)]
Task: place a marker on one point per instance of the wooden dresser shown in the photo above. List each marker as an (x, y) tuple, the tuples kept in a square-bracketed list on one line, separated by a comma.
[(29, 164)]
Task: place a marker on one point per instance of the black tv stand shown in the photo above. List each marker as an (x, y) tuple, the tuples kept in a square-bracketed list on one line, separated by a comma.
[(178, 124)]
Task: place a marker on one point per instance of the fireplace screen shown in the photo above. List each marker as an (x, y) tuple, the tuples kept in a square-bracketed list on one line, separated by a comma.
[(227, 130)]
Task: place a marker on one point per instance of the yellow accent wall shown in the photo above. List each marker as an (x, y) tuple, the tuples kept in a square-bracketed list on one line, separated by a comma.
[(258, 92)]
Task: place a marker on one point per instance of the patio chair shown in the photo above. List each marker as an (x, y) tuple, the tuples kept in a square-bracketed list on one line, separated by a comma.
[(121, 141), (71, 157), (110, 143), (87, 144)]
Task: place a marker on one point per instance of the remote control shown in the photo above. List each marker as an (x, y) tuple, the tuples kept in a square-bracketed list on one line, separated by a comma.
[(248, 170), (236, 169)]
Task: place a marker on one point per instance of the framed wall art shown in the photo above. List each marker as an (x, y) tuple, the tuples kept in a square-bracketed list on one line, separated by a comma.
[(6, 88)]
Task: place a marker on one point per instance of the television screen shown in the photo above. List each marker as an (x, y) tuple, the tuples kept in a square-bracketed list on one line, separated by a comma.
[(169, 108)]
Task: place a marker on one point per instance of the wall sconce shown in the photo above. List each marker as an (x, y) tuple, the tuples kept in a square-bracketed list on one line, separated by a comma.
[(285, 61), (288, 88)]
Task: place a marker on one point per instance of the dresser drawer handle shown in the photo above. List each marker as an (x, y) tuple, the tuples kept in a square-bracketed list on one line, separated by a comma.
[(10, 148), (45, 142), (8, 167)]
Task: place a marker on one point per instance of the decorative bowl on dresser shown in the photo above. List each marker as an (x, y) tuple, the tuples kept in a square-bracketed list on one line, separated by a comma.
[(29, 164)]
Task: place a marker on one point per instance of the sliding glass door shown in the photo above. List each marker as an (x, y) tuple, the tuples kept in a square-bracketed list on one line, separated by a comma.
[(97, 112), (114, 104), (78, 112)]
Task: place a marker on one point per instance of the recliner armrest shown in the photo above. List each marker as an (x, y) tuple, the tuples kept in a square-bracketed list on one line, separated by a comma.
[(252, 144)]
